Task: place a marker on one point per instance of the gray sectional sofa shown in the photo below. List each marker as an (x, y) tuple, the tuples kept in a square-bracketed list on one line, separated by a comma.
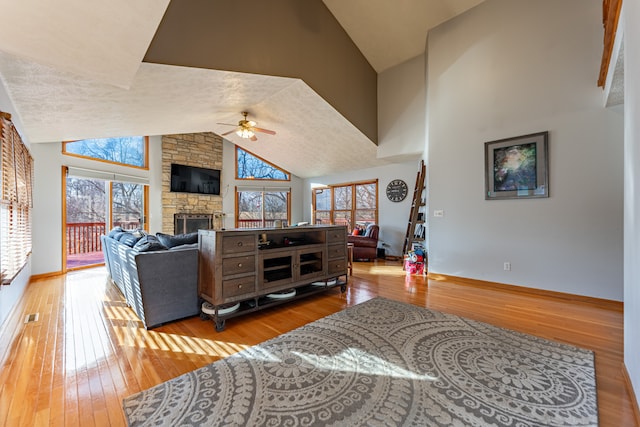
[(159, 283)]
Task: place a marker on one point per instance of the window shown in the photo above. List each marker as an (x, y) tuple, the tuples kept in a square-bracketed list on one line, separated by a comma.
[(16, 178), (129, 151), (346, 204), (250, 166), (262, 207)]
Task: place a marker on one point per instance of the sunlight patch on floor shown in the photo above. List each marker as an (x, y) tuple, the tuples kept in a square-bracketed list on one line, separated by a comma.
[(387, 270), (176, 343)]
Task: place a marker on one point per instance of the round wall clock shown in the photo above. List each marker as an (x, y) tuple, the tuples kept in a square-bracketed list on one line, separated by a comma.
[(397, 190)]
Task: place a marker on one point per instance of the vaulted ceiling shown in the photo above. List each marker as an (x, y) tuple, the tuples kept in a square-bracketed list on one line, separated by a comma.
[(75, 69)]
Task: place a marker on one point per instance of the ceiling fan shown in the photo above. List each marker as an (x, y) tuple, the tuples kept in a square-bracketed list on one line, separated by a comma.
[(246, 128)]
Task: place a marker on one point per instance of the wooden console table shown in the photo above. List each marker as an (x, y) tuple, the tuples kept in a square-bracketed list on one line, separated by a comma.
[(258, 268)]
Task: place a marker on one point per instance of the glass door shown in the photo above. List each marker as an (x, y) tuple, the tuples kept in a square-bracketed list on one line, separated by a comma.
[(85, 220), (128, 205)]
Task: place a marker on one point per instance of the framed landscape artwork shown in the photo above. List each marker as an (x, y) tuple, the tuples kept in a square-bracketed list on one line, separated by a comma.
[(516, 168)]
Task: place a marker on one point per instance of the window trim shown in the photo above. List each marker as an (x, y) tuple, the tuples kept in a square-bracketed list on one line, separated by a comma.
[(263, 160), (111, 162)]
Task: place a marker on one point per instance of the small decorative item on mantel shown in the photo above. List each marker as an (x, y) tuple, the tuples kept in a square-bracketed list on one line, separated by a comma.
[(218, 220)]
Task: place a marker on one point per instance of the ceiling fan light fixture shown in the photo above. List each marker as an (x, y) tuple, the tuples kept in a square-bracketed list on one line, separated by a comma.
[(245, 133)]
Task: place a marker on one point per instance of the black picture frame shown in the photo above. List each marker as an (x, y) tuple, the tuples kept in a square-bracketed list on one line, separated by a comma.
[(517, 168)]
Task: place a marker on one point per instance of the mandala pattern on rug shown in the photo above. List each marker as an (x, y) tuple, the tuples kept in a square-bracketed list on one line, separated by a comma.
[(383, 362)]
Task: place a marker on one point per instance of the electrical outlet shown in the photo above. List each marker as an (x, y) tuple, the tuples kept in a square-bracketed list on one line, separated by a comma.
[(438, 213), (507, 266)]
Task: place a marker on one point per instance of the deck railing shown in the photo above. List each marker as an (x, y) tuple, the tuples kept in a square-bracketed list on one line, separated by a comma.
[(257, 223), (84, 237)]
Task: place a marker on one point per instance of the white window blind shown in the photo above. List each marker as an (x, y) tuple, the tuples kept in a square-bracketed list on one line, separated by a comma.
[(16, 180), (106, 176), (263, 189)]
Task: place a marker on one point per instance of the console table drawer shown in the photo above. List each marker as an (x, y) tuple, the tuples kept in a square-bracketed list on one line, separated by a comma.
[(336, 251), (235, 287), (336, 236), (235, 244), (337, 266), (238, 265)]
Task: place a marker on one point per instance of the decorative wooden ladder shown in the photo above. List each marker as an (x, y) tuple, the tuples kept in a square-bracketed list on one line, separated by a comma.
[(414, 217)]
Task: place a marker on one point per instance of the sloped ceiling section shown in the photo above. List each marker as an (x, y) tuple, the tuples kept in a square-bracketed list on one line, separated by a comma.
[(103, 41), (286, 38)]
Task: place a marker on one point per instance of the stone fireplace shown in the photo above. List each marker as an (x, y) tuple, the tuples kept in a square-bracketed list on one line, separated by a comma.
[(183, 211)]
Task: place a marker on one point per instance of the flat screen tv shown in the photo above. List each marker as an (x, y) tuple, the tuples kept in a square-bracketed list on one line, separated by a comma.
[(191, 179)]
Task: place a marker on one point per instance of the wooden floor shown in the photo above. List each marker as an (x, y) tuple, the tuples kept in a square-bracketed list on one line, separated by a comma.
[(87, 350)]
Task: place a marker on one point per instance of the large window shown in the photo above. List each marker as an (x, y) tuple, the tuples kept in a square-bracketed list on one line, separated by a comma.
[(262, 207), (258, 207), (16, 178), (346, 204), (130, 150), (250, 166)]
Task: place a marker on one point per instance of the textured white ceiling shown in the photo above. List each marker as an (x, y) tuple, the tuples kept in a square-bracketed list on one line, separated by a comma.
[(102, 40)]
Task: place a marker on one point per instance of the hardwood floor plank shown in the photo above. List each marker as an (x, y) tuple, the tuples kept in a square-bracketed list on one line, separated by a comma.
[(88, 350)]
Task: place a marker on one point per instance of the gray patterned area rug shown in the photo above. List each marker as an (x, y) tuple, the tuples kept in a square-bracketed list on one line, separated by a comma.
[(383, 363)]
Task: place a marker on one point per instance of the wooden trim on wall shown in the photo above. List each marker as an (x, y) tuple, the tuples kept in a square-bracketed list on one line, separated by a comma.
[(37, 277), (600, 302), (263, 160), (111, 162), (632, 394), (63, 249), (610, 18)]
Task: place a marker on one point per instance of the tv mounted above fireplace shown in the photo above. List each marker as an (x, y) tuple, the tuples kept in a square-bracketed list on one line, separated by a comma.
[(191, 179)]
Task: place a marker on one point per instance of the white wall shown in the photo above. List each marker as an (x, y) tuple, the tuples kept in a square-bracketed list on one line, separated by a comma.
[(513, 67), (10, 294), (402, 110), (629, 21), (392, 217)]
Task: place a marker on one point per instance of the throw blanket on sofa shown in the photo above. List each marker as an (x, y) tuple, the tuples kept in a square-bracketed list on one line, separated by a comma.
[(383, 362)]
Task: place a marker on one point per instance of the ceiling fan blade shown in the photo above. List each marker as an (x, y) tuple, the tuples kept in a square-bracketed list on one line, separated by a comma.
[(227, 133), (253, 138), (226, 124), (270, 132)]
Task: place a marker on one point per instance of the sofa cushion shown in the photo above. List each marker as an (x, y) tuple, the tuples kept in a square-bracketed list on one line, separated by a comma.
[(117, 235), (149, 243), (139, 232), (179, 239), (129, 239), (114, 231)]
